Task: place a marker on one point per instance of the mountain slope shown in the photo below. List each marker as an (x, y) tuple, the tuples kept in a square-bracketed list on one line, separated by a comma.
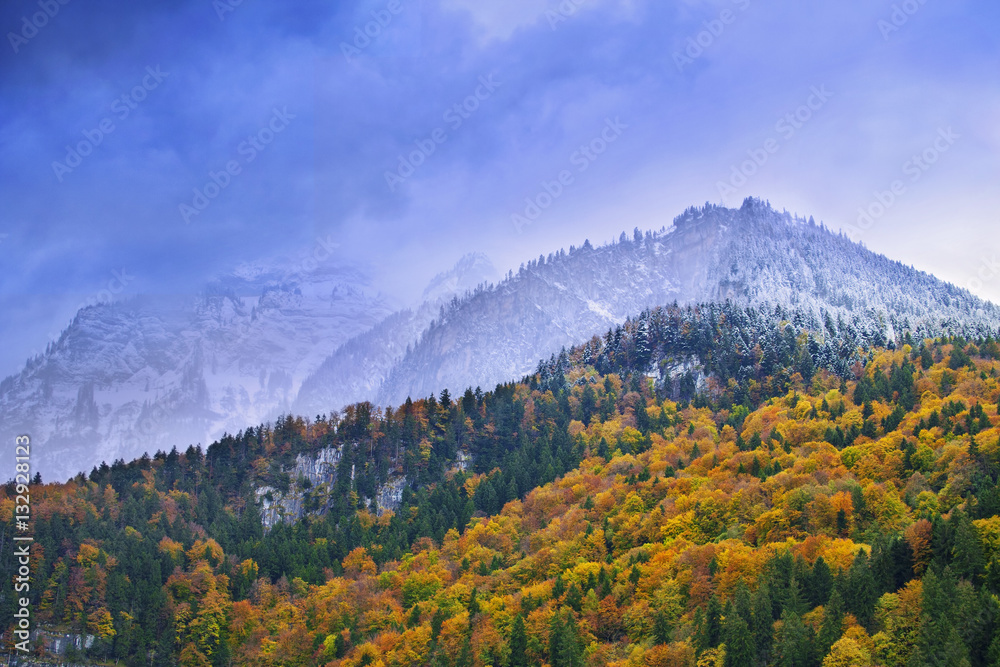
[(130, 377), (355, 372), (753, 255)]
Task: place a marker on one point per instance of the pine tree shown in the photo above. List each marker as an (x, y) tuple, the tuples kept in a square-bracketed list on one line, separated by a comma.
[(740, 649), (574, 597), (938, 641), (436, 622), (661, 628), (518, 643), (833, 623), (794, 647), (861, 592), (558, 588), (473, 603), (564, 642), (556, 629), (967, 554), (762, 624), (713, 623), (570, 650)]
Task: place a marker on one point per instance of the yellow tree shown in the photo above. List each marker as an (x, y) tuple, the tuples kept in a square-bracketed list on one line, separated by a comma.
[(847, 653)]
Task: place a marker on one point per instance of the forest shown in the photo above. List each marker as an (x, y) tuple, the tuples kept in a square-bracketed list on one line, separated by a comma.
[(701, 486)]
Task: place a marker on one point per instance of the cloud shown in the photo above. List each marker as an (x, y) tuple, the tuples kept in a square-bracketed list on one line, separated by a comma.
[(559, 82)]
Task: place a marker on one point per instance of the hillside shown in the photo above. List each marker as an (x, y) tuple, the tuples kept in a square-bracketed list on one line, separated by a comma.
[(156, 372), (777, 514)]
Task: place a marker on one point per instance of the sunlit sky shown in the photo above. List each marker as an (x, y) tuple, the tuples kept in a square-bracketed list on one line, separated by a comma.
[(413, 147)]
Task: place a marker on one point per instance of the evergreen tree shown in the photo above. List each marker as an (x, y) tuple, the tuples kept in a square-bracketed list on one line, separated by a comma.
[(968, 561), (794, 648), (571, 652), (661, 628), (833, 623), (436, 622), (821, 583), (740, 649), (473, 603), (861, 593), (938, 641), (556, 629), (762, 624), (564, 642), (558, 588), (712, 633), (518, 643)]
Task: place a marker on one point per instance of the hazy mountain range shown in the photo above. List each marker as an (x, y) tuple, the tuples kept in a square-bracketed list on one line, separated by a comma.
[(151, 373)]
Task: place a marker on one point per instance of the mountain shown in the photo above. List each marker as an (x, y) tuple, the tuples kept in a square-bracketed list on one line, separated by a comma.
[(355, 372), (267, 339), (753, 255), (130, 377)]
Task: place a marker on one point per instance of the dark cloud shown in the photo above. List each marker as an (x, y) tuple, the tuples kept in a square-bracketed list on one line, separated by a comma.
[(560, 78)]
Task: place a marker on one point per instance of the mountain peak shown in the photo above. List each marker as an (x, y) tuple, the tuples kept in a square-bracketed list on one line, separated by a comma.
[(469, 272)]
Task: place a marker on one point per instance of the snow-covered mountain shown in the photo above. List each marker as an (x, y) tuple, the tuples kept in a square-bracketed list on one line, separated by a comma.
[(752, 255), (154, 373), (151, 372)]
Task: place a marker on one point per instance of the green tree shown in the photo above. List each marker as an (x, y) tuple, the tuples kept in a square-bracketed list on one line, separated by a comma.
[(465, 656), (712, 636), (518, 643), (740, 649), (833, 623), (821, 583), (939, 643), (968, 561), (661, 628), (762, 623), (564, 642), (794, 648), (861, 593)]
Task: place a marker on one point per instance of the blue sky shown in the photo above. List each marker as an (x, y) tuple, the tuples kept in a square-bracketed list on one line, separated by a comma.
[(643, 107)]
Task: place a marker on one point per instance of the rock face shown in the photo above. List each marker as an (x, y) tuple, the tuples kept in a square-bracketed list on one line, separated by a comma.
[(311, 481), (311, 476), (753, 255)]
